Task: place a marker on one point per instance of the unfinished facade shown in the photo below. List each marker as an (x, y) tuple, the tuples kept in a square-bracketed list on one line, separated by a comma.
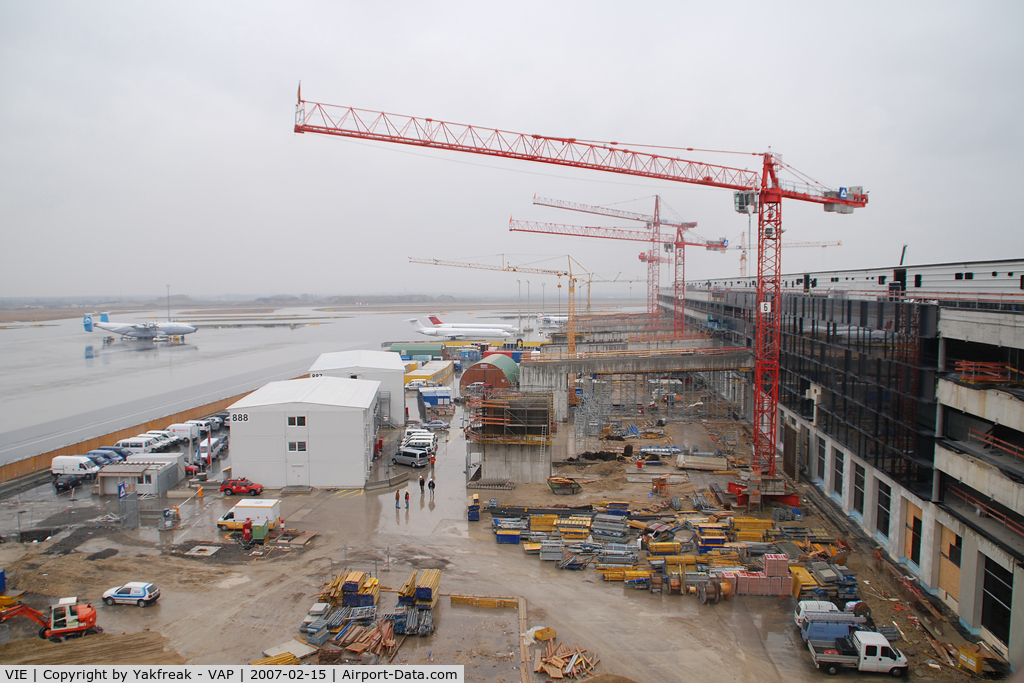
[(900, 398), (508, 436)]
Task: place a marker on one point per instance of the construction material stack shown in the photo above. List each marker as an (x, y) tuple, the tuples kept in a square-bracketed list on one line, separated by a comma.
[(610, 528), (575, 528), (417, 618), (474, 508), (407, 593)]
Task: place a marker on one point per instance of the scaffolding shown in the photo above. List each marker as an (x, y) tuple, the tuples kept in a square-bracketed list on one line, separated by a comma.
[(506, 417)]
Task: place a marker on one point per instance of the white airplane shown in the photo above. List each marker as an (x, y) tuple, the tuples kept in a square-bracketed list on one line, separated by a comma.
[(554, 318), (453, 332), (476, 326), (137, 330)]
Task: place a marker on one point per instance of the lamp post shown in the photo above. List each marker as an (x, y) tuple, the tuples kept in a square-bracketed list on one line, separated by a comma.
[(542, 297), (520, 283), (527, 301)]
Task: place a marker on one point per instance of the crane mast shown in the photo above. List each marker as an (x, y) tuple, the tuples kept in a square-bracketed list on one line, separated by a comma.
[(766, 186)]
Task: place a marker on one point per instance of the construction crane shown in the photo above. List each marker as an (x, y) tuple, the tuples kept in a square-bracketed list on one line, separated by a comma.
[(677, 242), (509, 268), (762, 192), (743, 246), (654, 224)]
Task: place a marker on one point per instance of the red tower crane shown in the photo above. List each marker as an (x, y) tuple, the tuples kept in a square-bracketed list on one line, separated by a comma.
[(678, 242), (762, 192), (654, 224)]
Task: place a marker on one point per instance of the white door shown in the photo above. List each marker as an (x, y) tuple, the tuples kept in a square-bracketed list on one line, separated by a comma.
[(297, 469)]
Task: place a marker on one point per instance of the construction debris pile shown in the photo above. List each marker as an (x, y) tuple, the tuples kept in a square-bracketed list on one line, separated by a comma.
[(345, 624)]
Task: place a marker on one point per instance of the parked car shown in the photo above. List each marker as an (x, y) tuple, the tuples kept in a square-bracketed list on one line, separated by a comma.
[(215, 422), (412, 457), (191, 470), (123, 452), (414, 384), (477, 388), (66, 482), (436, 425), (112, 454), (240, 486), (132, 593)]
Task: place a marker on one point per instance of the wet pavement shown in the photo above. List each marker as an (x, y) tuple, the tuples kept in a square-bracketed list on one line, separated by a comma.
[(63, 385)]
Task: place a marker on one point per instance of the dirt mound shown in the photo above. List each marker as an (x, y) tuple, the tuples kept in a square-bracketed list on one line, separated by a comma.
[(610, 678), (146, 647), (608, 484)]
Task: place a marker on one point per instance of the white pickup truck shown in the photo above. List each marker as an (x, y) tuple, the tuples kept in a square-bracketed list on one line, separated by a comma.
[(864, 651)]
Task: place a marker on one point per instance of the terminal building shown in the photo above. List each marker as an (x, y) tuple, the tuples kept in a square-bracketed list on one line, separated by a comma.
[(304, 432), (901, 398)]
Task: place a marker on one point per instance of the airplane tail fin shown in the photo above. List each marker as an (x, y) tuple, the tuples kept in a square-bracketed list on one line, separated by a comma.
[(434, 319), (104, 318), (87, 323), (416, 323)]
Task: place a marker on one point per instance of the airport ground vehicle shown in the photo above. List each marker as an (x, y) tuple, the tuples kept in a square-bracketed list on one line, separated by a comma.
[(67, 482), (240, 486), (73, 464), (258, 511), (132, 593), (864, 651), (413, 457), (67, 619), (185, 430), (436, 425), (414, 384)]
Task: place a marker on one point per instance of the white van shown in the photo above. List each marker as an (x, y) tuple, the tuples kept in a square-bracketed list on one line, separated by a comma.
[(212, 446), (185, 430), (137, 444), (805, 609), (160, 441), (204, 425), (171, 437), (73, 464), (421, 442)]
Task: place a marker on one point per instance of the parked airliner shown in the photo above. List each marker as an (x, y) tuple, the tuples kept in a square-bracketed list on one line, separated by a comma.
[(138, 330), (476, 326), (453, 332)]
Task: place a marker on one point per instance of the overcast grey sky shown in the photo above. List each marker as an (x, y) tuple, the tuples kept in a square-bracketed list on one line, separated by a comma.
[(144, 144)]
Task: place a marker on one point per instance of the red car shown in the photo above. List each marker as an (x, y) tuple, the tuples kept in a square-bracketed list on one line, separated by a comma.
[(240, 486)]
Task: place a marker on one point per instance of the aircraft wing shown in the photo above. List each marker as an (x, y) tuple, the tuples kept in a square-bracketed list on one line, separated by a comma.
[(123, 329)]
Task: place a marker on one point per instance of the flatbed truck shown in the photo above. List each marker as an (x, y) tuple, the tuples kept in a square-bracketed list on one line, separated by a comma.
[(863, 651)]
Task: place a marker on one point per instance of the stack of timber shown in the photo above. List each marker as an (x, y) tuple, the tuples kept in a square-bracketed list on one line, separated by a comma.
[(610, 528), (366, 596), (377, 638), (559, 661), (283, 659), (407, 593), (427, 589)]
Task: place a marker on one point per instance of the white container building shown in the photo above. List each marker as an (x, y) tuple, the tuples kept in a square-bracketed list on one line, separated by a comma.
[(385, 367), (316, 431)]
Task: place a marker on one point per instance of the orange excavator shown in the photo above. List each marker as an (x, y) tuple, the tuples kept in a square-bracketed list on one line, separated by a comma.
[(68, 619)]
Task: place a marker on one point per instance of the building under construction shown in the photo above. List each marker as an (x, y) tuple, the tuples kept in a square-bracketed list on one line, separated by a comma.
[(508, 437), (901, 398)]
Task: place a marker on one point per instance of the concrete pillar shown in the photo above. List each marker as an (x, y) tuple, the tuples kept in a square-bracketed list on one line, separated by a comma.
[(870, 501), (972, 574), (1016, 644), (931, 539), (942, 354), (898, 527)]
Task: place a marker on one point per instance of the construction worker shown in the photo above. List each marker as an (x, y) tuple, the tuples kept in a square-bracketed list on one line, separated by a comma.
[(398, 498), (406, 498), (430, 485), (422, 484)]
